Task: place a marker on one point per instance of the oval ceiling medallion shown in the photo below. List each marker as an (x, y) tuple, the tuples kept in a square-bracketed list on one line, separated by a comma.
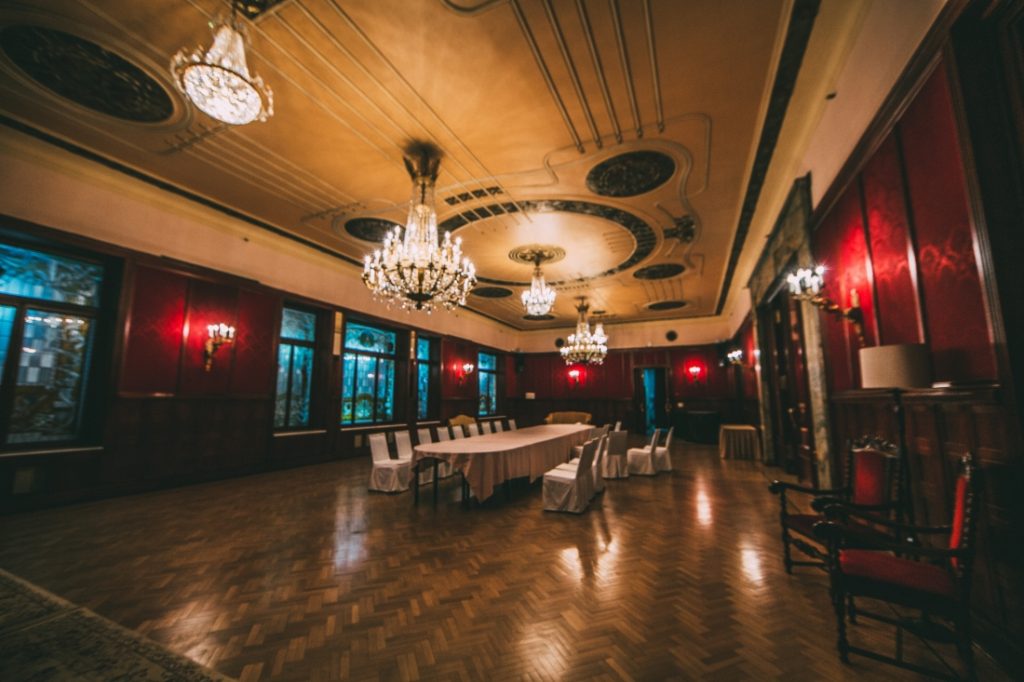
[(630, 174), (645, 237), (538, 318), (370, 229), (492, 292), (660, 271), (87, 74), (527, 253), (666, 305)]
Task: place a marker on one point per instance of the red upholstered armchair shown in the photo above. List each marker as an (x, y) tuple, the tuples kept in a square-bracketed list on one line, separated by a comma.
[(871, 483), (932, 582)]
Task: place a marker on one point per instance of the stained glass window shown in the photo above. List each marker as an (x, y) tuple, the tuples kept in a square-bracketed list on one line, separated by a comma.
[(43, 276), (427, 376), (47, 323), (423, 349), (368, 375), (487, 365), (295, 369)]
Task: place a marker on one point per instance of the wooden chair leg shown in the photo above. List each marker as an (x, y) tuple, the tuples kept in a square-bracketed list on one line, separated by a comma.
[(787, 557), (851, 609), (839, 602)]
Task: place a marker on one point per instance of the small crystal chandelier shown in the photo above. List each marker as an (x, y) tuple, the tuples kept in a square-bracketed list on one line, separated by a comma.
[(413, 270), (540, 297), (584, 346), (218, 80)]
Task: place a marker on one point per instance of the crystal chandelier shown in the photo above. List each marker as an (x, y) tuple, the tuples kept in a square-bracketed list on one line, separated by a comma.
[(412, 269), (540, 297), (218, 80), (584, 346)]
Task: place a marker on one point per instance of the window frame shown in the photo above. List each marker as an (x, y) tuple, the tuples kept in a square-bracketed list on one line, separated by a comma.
[(312, 345), (494, 382), (378, 356), (86, 431)]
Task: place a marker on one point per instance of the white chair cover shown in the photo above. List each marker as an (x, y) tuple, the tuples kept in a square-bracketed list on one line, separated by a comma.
[(641, 460), (663, 453), (487, 427), (457, 431), (498, 427), (444, 467), (403, 447), (615, 458), (618, 425), (388, 475), (512, 425), (570, 491), (597, 468), (474, 429), (443, 434)]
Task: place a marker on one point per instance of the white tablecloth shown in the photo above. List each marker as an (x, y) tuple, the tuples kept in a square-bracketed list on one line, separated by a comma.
[(488, 461), (739, 441)]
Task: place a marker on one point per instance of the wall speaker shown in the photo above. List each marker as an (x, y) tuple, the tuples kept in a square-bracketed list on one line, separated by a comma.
[(671, 335), (559, 342)]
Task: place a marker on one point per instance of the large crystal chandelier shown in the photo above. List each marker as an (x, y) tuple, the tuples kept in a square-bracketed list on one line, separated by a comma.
[(412, 269), (540, 297), (584, 346), (218, 80)]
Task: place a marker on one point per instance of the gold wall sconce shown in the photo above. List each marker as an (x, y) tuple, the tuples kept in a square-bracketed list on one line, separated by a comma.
[(806, 284), (216, 336)]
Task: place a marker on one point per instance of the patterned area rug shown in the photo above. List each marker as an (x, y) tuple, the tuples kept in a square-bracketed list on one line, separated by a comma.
[(43, 638)]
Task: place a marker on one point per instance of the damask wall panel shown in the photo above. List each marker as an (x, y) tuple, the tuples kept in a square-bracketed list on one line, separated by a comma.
[(156, 321), (208, 303), (454, 354), (957, 326), (893, 260), (254, 345)]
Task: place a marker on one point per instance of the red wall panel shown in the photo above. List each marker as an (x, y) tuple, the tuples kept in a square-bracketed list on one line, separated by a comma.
[(255, 364), (454, 354), (153, 344), (208, 303), (892, 256), (950, 280)]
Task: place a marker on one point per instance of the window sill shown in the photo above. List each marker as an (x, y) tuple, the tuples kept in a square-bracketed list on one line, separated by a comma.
[(306, 432), (71, 450)]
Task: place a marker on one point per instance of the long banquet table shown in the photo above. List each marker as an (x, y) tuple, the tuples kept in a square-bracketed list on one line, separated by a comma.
[(488, 461)]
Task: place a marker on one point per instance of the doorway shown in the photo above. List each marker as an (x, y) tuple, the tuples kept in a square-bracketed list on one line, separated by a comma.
[(651, 398)]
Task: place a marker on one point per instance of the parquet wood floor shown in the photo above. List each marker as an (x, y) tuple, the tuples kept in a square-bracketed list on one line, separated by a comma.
[(304, 575)]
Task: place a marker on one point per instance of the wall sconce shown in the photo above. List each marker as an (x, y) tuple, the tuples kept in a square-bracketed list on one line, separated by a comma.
[(695, 373), (574, 376), (805, 284), (735, 356), (464, 371), (216, 336)]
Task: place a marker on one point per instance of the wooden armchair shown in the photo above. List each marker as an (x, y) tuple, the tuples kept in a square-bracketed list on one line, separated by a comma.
[(871, 483), (939, 586)]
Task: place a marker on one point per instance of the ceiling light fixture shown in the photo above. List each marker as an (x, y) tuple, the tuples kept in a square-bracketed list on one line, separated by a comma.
[(584, 346), (412, 269), (218, 81), (539, 299)]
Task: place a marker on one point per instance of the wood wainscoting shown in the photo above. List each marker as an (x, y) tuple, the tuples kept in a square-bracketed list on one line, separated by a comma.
[(936, 426)]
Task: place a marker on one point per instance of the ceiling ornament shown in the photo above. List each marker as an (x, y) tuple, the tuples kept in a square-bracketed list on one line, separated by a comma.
[(413, 269), (539, 298), (218, 81), (584, 346), (492, 292), (666, 305), (370, 229), (87, 74), (631, 174), (660, 271)]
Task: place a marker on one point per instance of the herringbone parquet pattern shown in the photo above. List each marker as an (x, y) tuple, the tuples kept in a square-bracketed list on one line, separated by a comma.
[(304, 575)]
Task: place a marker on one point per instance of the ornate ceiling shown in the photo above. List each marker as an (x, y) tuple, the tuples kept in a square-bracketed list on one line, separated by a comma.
[(622, 136)]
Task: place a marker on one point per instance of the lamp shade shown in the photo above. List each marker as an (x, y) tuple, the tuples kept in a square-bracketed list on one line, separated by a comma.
[(900, 365)]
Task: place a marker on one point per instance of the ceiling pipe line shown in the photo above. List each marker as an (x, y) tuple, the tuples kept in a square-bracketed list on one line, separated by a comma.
[(366, 72), (556, 28), (602, 78), (627, 72), (649, 21)]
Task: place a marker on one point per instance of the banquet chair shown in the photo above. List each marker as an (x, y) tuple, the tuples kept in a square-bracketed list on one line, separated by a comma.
[(457, 432), (618, 425), (595, 432), (403, 448), (932, 582), (598, 465), (640, 461), (570, 491), (615, 457), (498, 428), (512, 425), (663, 453), (487, 427), (474, 429), (388, 475), (871, 481), (444, 467)]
